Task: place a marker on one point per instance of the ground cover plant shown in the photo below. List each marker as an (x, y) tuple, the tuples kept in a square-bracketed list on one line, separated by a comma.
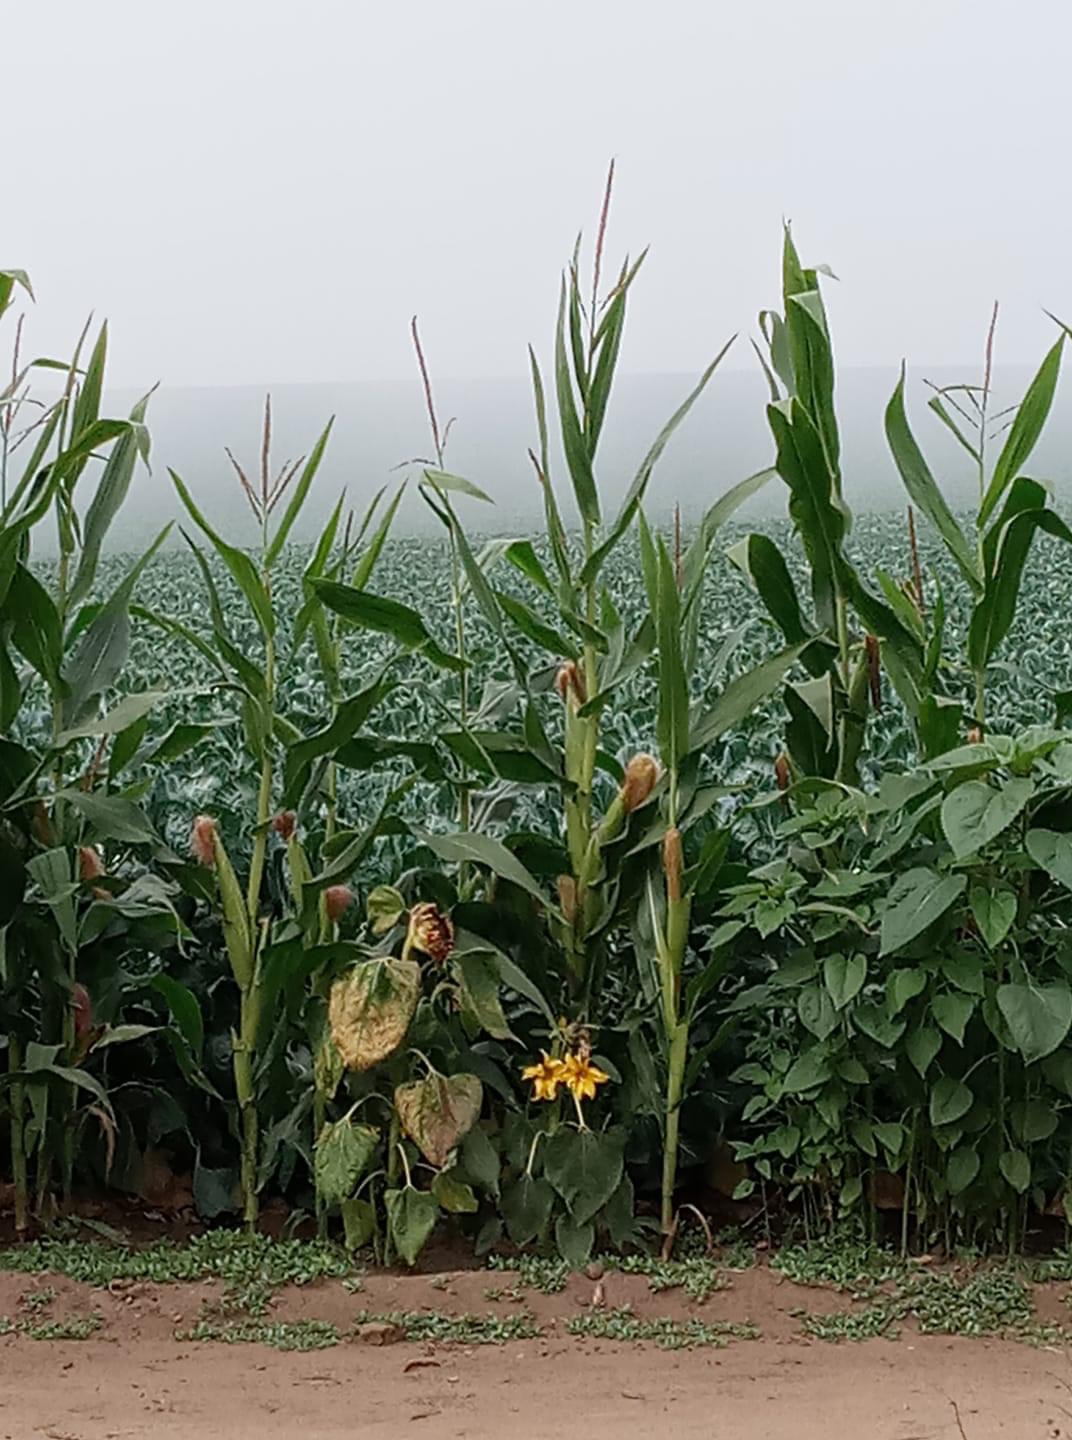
[(493, 885)]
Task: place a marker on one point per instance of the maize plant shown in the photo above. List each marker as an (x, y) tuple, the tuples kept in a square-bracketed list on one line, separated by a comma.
[(244, 921), (76, 894)]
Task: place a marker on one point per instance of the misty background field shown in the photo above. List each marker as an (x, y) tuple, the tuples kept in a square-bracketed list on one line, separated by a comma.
[(381, 425)]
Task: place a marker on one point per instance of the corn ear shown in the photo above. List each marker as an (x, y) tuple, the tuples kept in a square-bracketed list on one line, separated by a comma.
[(236, 931)]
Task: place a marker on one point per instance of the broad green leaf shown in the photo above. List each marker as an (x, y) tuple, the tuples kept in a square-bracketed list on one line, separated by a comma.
[(961, 1168), (813, 506), (994, 911), (438, 1111), (844, 976), (877, 1023), (922, 1047), (919, 898), (952, 1011), (903, 986), (343, 1153), (816, 1011), (185, 1011), (453, 1195), (526, 1207), (1038, 1016), (808, 1071), (574, 1240), (584, 1167), (975, 813), (1051, 852), (950, 1101), (480, 1160), (121, 716), (358, 1223), (411, 1218), (993, 616), (1016, 1168)]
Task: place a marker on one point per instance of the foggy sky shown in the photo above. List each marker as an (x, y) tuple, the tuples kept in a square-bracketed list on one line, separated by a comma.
[(258, 192)]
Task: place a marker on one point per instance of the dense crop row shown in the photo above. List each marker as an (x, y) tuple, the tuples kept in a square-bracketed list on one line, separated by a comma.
[(504, 880)]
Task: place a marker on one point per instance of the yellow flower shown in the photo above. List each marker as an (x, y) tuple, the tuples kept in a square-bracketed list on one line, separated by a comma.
[(581, 1077), (546, 1077)]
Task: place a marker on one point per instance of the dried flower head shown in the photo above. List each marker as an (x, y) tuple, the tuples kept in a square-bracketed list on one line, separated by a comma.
[(430, 932), (337, 900), (569, 683), (203, 840), (90, 864), (285, 823), (639, 781)]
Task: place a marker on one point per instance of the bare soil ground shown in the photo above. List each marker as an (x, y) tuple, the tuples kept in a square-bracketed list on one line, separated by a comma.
[(133, 1377)]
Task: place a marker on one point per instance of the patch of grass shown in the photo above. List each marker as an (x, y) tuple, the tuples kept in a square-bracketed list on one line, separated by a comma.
[(279, 1334), (992, 1301), (244, 1260), (534, 1272), (699, 1277), (668, 1334), (457, 1329), (736, 1252), (845, 1263), (79, 1327), (38, 1300)]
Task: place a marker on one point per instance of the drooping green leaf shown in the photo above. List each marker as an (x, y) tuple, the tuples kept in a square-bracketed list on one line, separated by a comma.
[(975, 813), (919, 898), (387, 617), (411, 1218), (844, 976), (343, 1153), (1038, 1016)]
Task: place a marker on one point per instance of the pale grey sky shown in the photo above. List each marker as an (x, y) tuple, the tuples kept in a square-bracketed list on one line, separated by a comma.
[(264, 191)]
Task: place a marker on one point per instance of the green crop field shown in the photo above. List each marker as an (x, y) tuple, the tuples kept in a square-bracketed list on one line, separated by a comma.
[(508, 882)]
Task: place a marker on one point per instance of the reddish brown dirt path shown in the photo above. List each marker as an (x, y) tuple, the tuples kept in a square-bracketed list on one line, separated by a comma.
[(134, 1379)]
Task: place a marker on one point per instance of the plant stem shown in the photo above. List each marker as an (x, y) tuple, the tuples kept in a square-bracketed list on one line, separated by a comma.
[(18, 1137)]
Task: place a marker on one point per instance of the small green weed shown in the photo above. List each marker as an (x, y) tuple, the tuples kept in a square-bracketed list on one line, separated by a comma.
[(426, 1325), (279, 1334), (668, 1334), (79, 1327), (244, 1260)]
